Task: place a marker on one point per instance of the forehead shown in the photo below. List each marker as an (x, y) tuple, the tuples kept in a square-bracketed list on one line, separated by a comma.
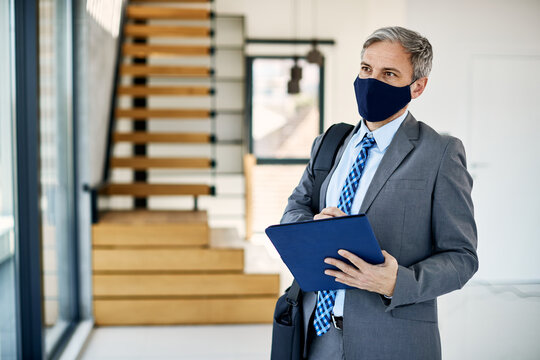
[(386, 54)]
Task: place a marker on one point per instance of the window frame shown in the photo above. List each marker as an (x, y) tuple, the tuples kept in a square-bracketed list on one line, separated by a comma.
[(28, 247), (249, 109)]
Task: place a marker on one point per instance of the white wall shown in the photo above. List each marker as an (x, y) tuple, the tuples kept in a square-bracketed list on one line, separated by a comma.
[(347, 22), (458, 31)]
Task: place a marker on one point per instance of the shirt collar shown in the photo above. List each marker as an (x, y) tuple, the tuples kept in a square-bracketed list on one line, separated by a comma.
[(383, 135)]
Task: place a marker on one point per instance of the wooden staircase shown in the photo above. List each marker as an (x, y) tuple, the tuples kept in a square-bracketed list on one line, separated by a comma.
[(153, 267), (139, 46), (157, 267)]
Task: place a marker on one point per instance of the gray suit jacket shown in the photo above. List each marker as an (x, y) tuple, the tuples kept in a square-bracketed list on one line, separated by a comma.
[(419, 205)]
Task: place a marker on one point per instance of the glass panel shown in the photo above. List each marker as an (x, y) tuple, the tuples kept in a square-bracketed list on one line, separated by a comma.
[(284, 125), (56, 169), (8, 339)]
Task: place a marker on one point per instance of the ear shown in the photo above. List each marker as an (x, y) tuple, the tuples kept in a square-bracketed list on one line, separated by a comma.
[(418, 87)]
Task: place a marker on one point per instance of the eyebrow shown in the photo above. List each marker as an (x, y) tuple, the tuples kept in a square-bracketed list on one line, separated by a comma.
[(385, 69)]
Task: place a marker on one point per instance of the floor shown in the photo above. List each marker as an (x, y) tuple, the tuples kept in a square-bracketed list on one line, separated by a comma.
[(495, 321), (227, 342), (481, 321)]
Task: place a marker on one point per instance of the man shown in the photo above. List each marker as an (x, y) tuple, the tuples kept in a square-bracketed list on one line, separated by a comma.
[(415, 189)]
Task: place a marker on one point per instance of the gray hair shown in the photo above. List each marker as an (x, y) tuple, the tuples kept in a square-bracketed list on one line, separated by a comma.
[(414, 43)]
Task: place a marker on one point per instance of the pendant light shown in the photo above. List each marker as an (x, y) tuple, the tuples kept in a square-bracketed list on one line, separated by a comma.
[(293, 86), (314, 56)]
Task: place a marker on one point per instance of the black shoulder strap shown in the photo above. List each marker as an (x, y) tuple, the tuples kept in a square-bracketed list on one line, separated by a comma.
[(293, 293), (324, 158)]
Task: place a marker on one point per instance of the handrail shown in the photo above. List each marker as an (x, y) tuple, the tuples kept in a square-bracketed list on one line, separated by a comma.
[(95, 189), (112, 110)]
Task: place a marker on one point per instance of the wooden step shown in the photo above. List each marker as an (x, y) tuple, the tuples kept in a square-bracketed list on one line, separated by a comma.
[(211, 285), (166, 30), (144, 189), (142, 163), (146, 137), (137, 50), (140, 216), (159, 70), (164, 90), (144, 113), (167, 260), (241, 310), (151, 228), (155, 12)]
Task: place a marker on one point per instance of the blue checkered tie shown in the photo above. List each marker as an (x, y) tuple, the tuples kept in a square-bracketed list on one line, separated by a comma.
[(327, 298)]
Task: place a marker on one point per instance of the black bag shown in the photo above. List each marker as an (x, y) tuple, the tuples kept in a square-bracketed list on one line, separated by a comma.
[(288, 325)]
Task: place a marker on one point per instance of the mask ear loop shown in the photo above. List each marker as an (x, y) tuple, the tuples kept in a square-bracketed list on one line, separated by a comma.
[(413, 82)]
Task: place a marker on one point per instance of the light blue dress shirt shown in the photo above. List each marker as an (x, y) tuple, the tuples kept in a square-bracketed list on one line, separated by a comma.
[(383, 137)]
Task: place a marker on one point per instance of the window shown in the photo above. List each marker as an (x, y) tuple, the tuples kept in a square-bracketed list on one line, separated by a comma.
[(8, 323), (282, 125), (56, 203)]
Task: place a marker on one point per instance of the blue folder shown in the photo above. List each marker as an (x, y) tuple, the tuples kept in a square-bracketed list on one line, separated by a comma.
[(303, 246)]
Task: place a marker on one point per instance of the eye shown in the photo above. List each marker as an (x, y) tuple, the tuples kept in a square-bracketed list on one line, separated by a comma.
[(390, 74), (365, 68)]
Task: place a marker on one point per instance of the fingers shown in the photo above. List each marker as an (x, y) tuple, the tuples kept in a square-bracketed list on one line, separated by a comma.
[(333, 211), (348, 275), (357, 261), (348, 281), (341, 277), (321, 216), (389, 260), (329, 212), (380, 279), (386, 257), (344, 267)]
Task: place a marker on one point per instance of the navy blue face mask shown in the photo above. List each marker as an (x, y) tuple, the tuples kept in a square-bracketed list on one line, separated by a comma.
[(377, 101)]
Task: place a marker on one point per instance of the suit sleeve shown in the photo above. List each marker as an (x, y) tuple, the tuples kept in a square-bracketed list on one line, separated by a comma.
[(454, 260), (299, 203)]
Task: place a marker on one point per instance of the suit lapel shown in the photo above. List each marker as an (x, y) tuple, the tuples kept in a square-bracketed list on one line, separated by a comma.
[(398, 149)]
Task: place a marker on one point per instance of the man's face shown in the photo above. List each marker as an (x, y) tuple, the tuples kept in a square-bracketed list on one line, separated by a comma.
[(388, 62)]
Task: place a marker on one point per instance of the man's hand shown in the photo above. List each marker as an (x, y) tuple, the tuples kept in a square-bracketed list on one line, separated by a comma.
[(375, 278), (329, 212)]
